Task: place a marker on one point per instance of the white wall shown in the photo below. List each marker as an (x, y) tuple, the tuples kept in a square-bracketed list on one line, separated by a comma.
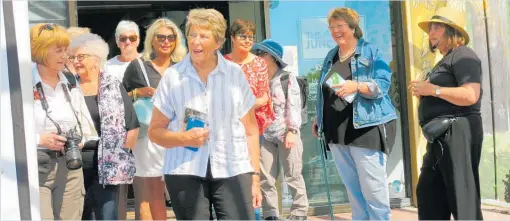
[(9, 202)]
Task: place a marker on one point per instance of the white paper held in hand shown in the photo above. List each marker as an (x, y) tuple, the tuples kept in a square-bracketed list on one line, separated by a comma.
[(335, 79)]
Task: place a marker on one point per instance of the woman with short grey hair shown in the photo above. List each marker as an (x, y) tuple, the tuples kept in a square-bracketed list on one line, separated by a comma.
[(204, 116), (112, 163), (127, 38)]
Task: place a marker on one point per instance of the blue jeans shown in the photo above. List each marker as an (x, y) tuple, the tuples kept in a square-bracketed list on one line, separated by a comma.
[(101, 203), (363, 172)]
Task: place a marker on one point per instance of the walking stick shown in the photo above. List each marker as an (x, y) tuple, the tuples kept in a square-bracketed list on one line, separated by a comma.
[(324, 171)]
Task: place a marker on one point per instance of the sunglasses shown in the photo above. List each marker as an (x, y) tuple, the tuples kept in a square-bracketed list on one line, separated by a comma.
[(162, 38), (49, 27), (131, 38), (260, 53), (80, 57), (246, 37)]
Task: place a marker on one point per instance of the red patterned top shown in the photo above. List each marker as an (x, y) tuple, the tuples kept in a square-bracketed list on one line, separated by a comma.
[(256, 73)]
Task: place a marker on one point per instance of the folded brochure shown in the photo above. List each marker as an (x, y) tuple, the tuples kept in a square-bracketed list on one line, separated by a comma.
[(335, 79)]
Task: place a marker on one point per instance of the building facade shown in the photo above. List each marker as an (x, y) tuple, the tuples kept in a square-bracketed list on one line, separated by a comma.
[(301, 26)]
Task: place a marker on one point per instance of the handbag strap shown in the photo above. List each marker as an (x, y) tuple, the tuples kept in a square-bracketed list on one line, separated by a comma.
[(144, 72)]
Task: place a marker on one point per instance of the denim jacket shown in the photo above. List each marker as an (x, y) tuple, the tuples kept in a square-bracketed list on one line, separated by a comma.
[(367, 66)]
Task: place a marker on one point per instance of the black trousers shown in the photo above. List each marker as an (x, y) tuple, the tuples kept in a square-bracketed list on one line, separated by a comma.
[(449, 182), (192, 197)]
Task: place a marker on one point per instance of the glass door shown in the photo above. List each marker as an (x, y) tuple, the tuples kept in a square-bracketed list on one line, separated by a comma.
[(302, 28)]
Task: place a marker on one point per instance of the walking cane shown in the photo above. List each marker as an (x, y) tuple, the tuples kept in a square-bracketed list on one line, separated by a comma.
[(324, 171)]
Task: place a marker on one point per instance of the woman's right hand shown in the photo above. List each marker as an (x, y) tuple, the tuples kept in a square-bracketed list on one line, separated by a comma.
[(52, 141), (145, 92), (314, 128)]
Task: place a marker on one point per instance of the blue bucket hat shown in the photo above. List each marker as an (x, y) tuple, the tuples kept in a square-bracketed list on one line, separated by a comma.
[(273, 48)]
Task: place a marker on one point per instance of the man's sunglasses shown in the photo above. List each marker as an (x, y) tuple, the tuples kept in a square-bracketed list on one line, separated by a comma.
[(49, 27), (162, 38), (131, 38)]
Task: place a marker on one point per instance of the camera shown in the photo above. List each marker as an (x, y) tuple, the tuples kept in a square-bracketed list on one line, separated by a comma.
[(72, 151)]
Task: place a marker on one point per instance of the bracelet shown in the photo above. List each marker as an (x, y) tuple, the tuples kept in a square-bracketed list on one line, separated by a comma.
[(256, 173), (134, 94)]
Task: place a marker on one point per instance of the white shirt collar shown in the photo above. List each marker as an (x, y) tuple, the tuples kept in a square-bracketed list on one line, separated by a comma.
[(186, 67)]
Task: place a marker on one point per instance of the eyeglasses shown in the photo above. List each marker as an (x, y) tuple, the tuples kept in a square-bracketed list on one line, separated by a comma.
[(246, 37), (131, 38), (260, 53), (80, 57), (340, 26), (162, 38), (48, 26)]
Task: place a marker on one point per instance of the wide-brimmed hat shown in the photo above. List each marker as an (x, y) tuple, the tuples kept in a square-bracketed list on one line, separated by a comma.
[(450, 17), (272, 47)]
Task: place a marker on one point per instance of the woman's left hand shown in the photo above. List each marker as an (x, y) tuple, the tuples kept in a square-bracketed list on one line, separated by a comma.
[(290, 140), (346, 88), (255, 192), (421, 88)]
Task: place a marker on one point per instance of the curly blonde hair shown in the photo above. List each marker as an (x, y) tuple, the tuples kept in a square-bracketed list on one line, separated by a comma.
[(177, 54), (209, 18)]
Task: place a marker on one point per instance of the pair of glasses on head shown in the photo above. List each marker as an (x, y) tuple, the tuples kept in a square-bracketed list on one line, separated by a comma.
[(49, 27), (131, 38), (246, 37), (80, 57), (162, 38)]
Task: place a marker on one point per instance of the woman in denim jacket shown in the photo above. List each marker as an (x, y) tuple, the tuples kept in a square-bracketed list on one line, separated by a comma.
[(355, 115)]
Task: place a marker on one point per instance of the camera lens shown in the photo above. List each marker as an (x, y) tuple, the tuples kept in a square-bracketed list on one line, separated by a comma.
[(73, 155)]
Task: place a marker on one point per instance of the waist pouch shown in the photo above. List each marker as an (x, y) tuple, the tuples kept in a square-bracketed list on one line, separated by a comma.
[(436, 129)]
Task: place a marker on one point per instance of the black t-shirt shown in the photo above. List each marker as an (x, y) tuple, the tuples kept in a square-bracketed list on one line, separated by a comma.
[(338, 117), (89, 152), (133, 77), (459, 67)]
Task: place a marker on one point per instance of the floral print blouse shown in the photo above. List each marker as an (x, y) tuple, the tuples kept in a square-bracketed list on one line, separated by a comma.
[(256, 73)]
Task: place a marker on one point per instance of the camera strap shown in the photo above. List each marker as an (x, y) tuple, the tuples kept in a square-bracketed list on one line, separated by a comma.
[(45, 106)]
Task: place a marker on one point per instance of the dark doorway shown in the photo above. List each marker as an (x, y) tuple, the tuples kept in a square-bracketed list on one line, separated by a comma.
[(102, 17)]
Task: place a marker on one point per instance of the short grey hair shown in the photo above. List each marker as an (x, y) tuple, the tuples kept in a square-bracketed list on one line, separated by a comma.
[(92, 44), (126, 25)]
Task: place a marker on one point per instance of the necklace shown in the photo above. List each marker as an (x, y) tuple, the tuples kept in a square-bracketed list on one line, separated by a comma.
[(343, 58)]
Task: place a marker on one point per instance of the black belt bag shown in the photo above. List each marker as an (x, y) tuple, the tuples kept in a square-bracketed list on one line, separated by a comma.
[(436, 129)]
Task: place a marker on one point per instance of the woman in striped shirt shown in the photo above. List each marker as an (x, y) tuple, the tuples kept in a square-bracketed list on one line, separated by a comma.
[(218, 162)]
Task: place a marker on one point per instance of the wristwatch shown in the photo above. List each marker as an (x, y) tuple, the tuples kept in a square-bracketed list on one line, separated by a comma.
[(438, 91), (294, 131)]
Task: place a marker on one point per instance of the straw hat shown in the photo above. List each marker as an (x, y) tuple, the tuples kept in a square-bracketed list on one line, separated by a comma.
[(450, 17)]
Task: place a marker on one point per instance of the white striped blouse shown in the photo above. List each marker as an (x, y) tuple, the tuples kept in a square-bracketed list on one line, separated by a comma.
[(226, 98)]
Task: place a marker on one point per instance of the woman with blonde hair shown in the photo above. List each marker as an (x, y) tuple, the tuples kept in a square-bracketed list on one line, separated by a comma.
[(163, 47), (449, 114), (59, 108), (204, 115)]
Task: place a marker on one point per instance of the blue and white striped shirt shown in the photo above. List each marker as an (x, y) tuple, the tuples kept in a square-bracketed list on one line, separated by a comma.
[(225, 99)]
